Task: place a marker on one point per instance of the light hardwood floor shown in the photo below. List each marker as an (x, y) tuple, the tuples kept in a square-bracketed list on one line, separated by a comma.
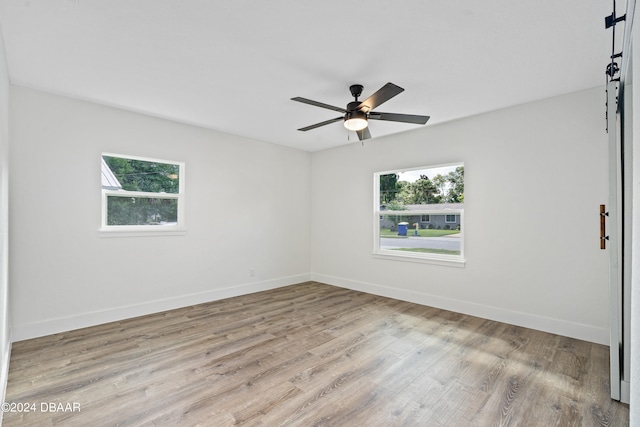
[(312, 355)]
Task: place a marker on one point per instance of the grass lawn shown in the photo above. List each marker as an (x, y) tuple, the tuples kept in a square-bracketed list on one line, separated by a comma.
[(384, 232), (430, 251)]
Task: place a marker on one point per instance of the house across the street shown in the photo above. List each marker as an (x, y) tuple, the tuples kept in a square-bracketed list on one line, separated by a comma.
[(440, 216)]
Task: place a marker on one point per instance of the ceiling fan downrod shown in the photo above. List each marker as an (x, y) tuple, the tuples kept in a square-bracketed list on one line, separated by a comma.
[(356, 90)]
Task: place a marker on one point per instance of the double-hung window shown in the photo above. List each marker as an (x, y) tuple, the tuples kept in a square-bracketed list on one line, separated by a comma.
[(419, 214), (142, 195)]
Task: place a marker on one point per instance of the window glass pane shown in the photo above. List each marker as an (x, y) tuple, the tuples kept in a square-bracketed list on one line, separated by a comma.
[(141, 211), (408, 233), (427, 186), (436, 195), (142, 192), (141, 175)]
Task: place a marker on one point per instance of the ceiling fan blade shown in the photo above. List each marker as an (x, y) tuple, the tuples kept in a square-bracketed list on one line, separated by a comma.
[(318, 104), (364, 134), (383, 94), (317, 125), (405, 118)]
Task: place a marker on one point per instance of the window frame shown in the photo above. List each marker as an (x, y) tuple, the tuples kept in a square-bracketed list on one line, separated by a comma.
[(425, 221), (427, 258), (179, 228), (446, 218)]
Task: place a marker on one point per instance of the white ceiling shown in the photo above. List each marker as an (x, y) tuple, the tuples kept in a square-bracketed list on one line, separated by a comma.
[(233, 65)]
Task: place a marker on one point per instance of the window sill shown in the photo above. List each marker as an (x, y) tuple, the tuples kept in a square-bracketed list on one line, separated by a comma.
[(141, 232), (444, 261)]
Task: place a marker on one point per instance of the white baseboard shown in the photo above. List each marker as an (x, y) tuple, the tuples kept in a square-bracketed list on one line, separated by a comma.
[(4, 374), (556, 326), (527, 320), (625, 392), (68, 323)]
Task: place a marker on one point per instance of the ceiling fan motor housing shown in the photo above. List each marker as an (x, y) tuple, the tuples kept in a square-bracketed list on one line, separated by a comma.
[(353, 106)]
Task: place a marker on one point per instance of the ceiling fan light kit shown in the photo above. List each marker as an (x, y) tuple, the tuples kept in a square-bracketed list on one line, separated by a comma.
[(355, 120), (357, 114)]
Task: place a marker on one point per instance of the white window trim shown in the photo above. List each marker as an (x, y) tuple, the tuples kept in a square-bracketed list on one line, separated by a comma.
[(446, 221), (145, 230), (427, 221), (426, 258)]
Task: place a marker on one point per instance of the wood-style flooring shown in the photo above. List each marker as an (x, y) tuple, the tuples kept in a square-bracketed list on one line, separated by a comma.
[(311, 355)]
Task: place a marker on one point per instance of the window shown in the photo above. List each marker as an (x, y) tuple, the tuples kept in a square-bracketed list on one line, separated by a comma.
[(142, 195), (419, 213)]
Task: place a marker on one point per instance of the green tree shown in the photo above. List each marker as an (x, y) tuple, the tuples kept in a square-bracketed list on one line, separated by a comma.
[(388, 187), (447, 188), (394, 205), (140, 175), (442, 185), (145, 176), (404, 196), (456, 190), (141, 210), (424, 191)]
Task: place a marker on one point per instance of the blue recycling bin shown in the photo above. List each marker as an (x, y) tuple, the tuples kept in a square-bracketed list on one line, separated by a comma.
[(402, 228)]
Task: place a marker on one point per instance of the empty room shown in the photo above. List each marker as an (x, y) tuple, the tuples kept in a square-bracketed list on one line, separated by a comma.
[(235, 213)]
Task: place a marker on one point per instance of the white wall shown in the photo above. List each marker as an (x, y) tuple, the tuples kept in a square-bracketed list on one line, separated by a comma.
[(535, 176), (635, 267), (634, 401), (247, 206), (5, 337)]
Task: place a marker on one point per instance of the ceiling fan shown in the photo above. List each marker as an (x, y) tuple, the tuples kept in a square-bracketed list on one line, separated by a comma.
[(357, 114)]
